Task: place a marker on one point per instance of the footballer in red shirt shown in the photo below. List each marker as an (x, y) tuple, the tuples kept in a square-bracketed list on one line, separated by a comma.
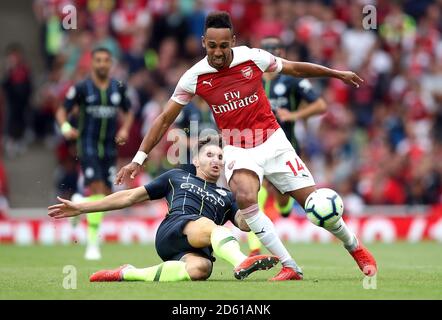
[(229, 79)]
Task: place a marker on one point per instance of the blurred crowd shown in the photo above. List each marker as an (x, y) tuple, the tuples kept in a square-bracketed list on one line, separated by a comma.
[(378, 144)]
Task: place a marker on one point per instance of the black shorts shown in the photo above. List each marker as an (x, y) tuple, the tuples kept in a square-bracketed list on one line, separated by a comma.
[(172, 244), (96, 169)]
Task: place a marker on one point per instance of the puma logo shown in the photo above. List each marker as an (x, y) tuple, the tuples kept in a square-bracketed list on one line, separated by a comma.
[(208, 82)]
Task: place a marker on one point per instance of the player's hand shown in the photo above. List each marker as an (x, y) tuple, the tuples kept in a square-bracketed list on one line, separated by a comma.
[(285, 115), (350, 78), (65, 209), (121, 137), (71, 134), (129, 170)]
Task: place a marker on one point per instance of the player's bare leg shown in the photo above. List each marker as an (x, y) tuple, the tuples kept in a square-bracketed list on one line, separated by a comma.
[(197, 267), (340, 230), (204, 232), (245, 185)]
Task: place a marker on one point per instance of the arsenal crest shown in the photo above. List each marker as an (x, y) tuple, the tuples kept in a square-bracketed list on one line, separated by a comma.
[(247, 72)]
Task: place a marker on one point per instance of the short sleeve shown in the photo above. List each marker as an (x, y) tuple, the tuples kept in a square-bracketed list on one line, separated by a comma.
[(72, 97), (266, 61), (160, 186), (306, 91), (185, 89)]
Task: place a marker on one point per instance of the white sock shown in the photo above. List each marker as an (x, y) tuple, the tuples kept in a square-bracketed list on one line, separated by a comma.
[(341, 231), (264, 229)]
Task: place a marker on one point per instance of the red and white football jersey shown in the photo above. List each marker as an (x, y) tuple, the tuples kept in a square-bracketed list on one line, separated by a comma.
[(235, 95)]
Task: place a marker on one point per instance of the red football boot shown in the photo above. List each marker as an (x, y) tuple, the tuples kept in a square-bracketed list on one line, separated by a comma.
[(287, 273), (254, 263), (108, 275), (365, 260)]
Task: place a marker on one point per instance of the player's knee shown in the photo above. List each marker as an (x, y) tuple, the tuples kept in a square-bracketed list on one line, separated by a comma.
[(199, 270), (246, 198)]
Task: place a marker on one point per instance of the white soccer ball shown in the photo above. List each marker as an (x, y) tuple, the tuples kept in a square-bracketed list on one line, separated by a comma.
[(324, 207)]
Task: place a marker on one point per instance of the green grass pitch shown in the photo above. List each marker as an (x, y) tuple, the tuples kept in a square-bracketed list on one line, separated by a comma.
[(406, 271)]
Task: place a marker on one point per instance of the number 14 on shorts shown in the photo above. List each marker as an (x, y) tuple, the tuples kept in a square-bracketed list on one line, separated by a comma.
[(299, 166)]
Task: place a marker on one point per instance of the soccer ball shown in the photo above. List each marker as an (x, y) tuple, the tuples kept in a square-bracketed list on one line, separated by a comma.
[(324, 207)]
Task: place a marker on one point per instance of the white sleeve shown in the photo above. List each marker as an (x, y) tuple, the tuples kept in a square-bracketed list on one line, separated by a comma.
[(266, 61), (185, 89)]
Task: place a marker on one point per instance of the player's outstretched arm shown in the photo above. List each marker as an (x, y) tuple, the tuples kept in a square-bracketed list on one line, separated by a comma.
[(150, 140), (311, 70), (114, 201)]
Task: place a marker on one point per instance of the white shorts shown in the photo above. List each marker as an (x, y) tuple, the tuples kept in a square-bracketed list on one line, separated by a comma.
[(274, 159)]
